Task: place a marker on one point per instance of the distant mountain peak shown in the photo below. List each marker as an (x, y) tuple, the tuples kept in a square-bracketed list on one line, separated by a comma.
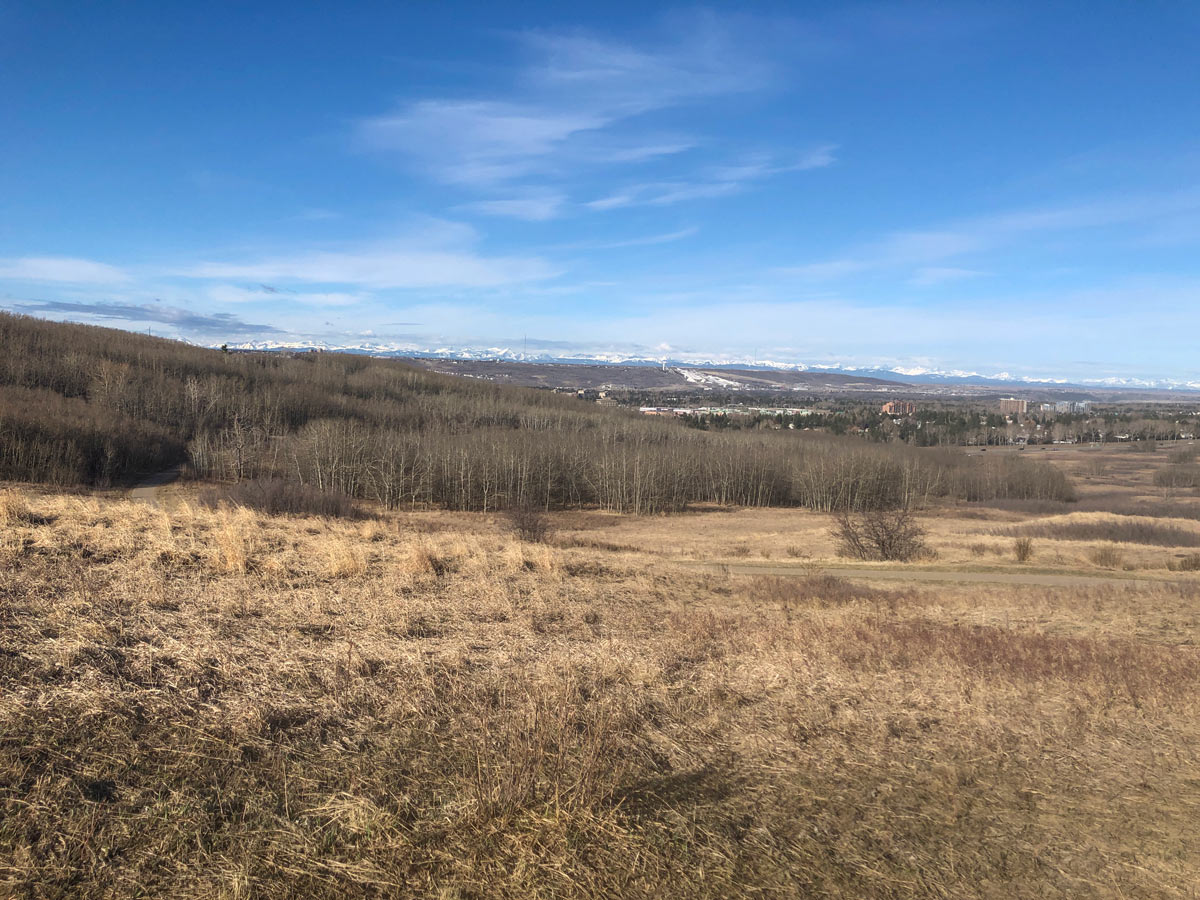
[(684, 362)]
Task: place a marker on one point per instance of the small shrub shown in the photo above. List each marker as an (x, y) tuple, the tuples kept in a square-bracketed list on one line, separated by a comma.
[(1189, 563), (1108, 556), (1023, 549), (739, 550), (529, 523), (795, 551), (889, 535)]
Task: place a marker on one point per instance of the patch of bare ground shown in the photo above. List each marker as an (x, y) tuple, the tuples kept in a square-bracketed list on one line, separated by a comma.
[(217, 703)]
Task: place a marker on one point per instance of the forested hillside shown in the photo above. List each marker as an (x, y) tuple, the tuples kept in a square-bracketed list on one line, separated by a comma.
[(96, 406)]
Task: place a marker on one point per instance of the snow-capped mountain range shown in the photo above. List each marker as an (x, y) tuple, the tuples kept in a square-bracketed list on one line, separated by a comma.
[(910, 374)]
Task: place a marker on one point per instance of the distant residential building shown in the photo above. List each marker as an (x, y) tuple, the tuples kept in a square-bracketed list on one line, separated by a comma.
[(1070, 406), (898, 408), (607, 401), (1012, 406)]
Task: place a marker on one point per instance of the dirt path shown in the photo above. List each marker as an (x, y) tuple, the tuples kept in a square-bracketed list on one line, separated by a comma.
[(147, 490), (924, 575)]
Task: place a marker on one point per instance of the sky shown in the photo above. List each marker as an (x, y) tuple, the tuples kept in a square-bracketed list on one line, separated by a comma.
[(984, 187)]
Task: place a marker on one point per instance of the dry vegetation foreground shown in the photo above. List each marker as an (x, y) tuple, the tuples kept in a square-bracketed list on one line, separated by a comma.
[(204, 703)]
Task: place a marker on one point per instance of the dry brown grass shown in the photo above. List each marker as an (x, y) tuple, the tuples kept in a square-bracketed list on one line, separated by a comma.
[(216, 704)]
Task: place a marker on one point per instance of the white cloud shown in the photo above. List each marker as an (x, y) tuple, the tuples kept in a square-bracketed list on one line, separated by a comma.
[(931, 276), (648, 240), (669, 194), (229, 293), (665, 193), (535, 207), (478, 142), (577, 104), (823, 271), (61, 269), (430, 253), (384, 267), (627, 81), (612, 201), (980, 234), (718, 181)]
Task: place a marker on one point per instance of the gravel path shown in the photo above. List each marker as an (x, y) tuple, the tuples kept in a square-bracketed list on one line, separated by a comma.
[(925, 575), (147, 490)]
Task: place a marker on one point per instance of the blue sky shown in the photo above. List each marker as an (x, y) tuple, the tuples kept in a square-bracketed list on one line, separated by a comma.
[(995, 187)]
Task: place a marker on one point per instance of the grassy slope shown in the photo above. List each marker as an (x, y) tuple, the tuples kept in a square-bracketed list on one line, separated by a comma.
[(214, 704)]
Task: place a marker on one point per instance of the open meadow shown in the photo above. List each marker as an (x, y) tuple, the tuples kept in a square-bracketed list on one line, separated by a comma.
[(220, 703)]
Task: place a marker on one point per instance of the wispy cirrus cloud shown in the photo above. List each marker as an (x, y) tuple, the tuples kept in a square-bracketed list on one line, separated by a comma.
[(477, 141), (61, 269), (534, 206), (184, 320), (930, 276), (716, 181), (383, 267), (927, 253), (577, 107), (571, 89), (238, 294), (431, 253), (667, 237)]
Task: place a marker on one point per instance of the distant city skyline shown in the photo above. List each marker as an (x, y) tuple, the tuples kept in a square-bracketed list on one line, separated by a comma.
[(946, 187)]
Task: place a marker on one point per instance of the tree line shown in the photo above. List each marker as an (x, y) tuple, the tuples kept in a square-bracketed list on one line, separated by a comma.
[(87, 405)]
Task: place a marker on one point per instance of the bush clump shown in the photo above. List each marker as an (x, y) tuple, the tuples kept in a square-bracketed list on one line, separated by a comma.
[(880, 535), (1189, 563), (529, 523), (1108, 556)]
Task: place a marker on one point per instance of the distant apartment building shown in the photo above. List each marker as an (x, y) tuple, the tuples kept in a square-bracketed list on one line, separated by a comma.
[(898, 408), (1011, 406), (1073, 406)]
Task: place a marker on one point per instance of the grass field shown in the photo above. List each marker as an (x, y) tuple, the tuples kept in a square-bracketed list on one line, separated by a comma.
[(217, 703)]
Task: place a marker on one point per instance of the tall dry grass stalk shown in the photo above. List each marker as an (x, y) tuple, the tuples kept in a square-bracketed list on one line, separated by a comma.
[(230, 542), (13, 508)]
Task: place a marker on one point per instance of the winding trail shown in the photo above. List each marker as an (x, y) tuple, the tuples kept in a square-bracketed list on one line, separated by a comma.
[(147, 490), (929, 576)]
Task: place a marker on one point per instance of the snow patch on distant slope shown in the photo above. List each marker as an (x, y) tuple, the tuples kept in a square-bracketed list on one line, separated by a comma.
[(707, 379)]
